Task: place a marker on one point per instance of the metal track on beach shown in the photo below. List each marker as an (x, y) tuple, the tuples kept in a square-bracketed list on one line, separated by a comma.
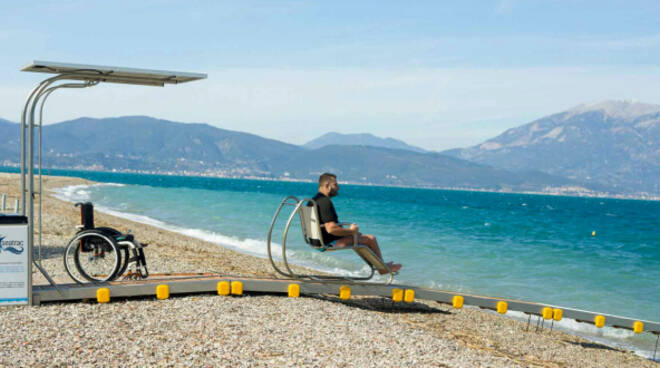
[(222, 284)]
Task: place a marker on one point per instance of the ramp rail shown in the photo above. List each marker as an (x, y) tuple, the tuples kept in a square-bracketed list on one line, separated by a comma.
[(213, 283)]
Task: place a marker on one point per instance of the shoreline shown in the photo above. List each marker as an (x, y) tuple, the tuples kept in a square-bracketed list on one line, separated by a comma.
[(558, 193), (426, 333)]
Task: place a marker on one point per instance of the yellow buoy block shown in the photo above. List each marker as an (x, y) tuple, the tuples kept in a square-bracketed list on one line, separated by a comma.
[(502, 307), (162, 291), (103, 295), (223, 288), (237, 288), (397, 295), (409, 296), (294, 290), (557, 314), (457, 301), (593, 233), (344, 292), (546, 313), (599, 321), (638, 326)]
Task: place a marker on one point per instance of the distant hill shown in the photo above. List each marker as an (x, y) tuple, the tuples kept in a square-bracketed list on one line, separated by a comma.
[(140, 143), (144, 143), (364, 139), (613, 143), (402, 167)]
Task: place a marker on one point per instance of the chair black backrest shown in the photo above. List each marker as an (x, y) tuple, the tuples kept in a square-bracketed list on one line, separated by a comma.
[(86, 215)]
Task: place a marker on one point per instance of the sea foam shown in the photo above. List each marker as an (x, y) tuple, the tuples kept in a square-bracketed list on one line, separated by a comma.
[(255, 247)]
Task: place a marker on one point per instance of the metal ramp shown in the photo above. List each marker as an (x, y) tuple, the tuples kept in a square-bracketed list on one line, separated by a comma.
[(164, 285)]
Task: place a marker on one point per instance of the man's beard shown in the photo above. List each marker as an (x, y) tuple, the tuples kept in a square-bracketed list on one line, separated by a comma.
[(333, 192)]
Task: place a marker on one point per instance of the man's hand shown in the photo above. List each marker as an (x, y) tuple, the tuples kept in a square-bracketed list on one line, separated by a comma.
[(335, 229)]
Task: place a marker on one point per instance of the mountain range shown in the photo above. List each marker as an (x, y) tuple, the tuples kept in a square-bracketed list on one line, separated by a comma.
[(363, 139), (615, 144), (608, 147), (140, 143)]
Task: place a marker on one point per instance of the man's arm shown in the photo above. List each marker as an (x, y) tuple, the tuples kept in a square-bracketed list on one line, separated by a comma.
[(338, 230)]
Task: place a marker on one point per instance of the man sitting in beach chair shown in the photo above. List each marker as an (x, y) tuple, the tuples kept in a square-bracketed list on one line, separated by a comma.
[(334, 234)]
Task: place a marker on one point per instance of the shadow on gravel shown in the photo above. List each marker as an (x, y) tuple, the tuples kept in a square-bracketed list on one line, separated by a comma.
[(49, 251), (592, 345), (381, 305)]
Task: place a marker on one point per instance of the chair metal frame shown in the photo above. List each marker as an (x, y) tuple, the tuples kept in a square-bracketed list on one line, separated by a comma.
[(311, 230)]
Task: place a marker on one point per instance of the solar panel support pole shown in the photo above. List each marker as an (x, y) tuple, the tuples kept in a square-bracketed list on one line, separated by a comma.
[(45, 94), (85, 76), (27, 122)]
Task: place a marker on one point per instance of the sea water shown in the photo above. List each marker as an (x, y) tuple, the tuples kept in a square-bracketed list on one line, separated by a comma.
[(594, 254)]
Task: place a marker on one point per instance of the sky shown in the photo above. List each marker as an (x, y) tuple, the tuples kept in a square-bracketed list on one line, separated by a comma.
[(435, 74)]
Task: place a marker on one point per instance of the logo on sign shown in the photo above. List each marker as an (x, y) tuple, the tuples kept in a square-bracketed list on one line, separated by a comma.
[(11, 246)]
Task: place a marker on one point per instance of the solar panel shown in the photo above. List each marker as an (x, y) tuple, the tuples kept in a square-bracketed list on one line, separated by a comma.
[(113, 74)]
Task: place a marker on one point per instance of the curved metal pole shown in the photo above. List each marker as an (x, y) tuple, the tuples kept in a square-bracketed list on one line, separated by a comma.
[(24, 123), (30, 171), (298, 204), (27, 121), (45, 96), (41, 114), (285, 235), (35, 96), (270, 231), (23, 143), (31, 103)]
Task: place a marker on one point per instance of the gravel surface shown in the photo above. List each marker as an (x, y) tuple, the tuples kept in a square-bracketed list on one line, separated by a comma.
[(262, 330)]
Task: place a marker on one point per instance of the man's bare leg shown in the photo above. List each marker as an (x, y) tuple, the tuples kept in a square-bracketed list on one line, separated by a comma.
[(372, 243)]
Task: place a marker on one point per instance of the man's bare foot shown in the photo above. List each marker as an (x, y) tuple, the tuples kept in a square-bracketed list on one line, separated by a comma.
[(394, 267)]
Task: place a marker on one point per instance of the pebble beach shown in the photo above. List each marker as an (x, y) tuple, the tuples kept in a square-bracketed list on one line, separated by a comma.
[(257, 330)]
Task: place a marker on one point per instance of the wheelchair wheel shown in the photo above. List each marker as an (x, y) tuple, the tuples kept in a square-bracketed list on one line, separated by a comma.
[(125, 261), (113, 233), (92, 256)]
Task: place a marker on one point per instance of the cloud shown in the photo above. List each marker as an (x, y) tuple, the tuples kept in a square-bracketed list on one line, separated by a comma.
[(436, 108)]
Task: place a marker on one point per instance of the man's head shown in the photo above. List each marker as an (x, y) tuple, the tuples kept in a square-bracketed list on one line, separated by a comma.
[(328, 184)]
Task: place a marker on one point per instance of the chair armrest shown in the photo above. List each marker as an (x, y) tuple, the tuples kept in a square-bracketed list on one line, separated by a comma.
[(355, 236)]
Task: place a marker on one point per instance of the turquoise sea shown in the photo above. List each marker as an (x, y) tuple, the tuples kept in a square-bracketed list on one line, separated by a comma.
[(531, 247)]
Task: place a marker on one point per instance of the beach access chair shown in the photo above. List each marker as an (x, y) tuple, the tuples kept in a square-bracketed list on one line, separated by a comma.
[(307, 211), (100, 254)]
